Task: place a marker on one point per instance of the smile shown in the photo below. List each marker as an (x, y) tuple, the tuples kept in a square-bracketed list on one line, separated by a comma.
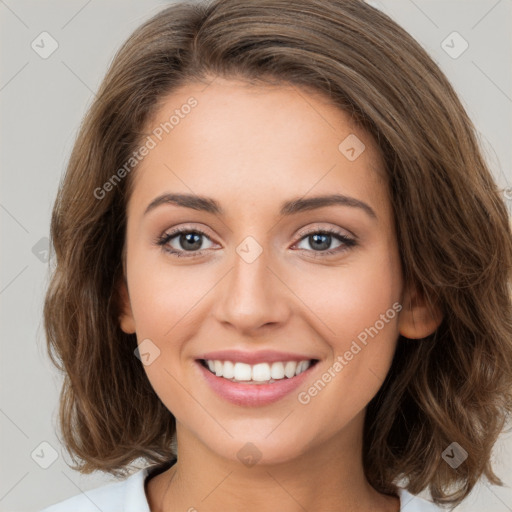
[(254, 379), (261, 373)]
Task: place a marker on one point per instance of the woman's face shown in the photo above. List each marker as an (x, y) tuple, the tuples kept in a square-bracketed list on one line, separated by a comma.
[(263, 284)]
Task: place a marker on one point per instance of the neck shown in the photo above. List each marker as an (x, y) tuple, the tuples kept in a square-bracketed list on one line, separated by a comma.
[(316, 479)]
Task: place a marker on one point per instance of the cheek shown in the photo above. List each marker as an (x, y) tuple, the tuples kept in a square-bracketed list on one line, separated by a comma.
[(165, 301), (164, 294), (347, 299), (162, 305), (356, 310)]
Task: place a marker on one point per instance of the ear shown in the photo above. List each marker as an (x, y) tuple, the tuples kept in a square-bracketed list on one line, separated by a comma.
[(126, 320), (417, 320)]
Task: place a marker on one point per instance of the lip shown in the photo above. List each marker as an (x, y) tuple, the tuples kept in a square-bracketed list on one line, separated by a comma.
[(253, 395), (263, 356)]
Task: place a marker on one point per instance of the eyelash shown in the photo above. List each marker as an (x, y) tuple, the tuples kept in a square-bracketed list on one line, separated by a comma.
[(164, 239)]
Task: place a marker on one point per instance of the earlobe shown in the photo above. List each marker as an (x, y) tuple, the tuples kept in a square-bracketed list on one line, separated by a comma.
[(126, 320), (417, 320)]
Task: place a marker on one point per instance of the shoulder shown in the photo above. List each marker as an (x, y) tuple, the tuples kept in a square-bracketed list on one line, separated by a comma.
[(125, 496), (412, 503)]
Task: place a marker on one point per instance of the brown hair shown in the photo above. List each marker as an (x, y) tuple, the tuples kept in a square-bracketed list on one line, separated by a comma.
[(452, 226)]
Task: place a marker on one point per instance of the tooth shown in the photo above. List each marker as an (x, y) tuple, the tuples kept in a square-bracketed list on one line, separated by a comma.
[(289, 369), (228, 370), (302, 367), (277, 371), (261, 372), (218, 368), (258, 373), (242, 371)]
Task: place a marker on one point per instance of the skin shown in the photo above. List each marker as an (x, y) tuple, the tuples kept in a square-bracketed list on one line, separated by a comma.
[(251, 148)]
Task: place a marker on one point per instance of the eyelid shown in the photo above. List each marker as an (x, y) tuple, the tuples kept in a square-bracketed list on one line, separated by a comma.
[(188, 228), (330, 229)]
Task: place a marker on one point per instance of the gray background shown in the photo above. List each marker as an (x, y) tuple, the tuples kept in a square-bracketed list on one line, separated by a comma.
[(42, 104)]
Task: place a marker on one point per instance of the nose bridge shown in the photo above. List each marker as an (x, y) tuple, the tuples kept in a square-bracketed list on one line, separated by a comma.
[(251, 295)]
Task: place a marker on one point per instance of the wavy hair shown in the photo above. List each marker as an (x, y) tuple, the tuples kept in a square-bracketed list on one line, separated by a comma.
[(452, 225)]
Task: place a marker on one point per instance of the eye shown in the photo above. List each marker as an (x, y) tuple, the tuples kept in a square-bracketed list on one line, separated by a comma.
[(320, 240), (188, 243), (185, 241)]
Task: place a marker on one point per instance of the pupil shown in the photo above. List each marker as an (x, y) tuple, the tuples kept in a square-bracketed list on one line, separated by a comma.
[(323, 245)]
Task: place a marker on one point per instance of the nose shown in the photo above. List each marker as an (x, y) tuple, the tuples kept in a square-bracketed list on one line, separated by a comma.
[(252, 296)]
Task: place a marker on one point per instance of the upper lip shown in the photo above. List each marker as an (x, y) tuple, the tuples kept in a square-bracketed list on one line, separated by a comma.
[(262, 356)]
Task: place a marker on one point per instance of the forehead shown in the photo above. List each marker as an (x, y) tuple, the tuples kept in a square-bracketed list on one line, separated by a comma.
[(255, 143)]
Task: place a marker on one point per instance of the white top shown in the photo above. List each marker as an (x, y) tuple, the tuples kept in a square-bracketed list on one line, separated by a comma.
[(129, 496)]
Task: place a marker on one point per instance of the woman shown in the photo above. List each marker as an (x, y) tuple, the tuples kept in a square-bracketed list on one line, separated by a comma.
[(277, 277)]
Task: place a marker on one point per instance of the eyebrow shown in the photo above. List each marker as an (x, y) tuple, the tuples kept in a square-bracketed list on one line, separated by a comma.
[(210, 205)]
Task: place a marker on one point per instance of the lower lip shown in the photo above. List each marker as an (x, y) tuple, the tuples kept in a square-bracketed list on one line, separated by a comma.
[(253, 395)]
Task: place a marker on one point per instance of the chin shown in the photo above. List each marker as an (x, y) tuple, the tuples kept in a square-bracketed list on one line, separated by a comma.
[(257, 448)]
